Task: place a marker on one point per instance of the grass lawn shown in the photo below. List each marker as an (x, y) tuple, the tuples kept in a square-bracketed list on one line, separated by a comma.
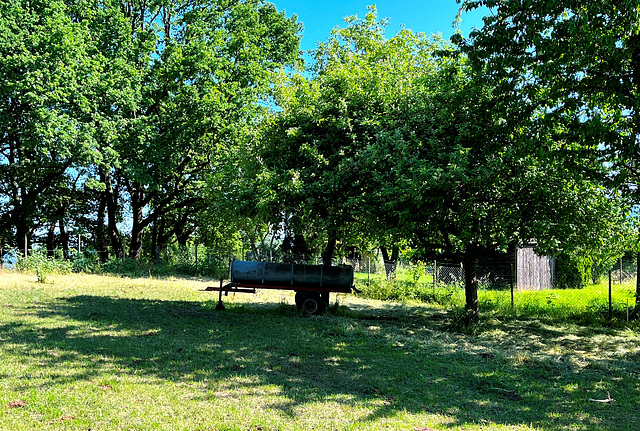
[(107, 353)]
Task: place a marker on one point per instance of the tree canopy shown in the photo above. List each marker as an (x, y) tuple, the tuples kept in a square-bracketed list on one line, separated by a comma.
[(315, 149), (132, 100), (402, 138), (49, 77)]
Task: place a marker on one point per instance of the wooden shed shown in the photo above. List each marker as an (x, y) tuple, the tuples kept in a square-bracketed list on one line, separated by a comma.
[(534, 272)]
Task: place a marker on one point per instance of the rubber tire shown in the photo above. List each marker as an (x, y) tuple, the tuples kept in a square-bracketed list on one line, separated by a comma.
[(310, 303)]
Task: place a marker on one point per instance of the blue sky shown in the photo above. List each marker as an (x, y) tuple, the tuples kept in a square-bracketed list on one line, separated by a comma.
[(428, 16)]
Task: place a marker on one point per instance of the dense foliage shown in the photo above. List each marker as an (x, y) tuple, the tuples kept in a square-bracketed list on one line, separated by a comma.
[(118, 111), (403, 139), (577, 64)]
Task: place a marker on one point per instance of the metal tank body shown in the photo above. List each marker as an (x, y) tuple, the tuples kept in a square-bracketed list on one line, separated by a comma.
[(292, 276)]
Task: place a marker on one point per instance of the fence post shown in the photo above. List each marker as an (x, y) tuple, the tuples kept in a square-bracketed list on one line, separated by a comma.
[(369, 272), (435, 275), (1, 256), (511, 285), (610, 302), (26, 245)]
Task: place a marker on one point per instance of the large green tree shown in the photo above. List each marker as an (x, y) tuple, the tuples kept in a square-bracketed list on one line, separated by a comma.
[(207, 67), (401, 138), (469, 180), (313, 169), (578, 63), (134, 101), (48, 76)]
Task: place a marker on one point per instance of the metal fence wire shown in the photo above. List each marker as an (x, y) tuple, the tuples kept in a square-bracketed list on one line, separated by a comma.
[(520, 283), (522, 287)]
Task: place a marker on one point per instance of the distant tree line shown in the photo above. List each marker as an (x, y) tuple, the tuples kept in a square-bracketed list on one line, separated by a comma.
[(124, 111)]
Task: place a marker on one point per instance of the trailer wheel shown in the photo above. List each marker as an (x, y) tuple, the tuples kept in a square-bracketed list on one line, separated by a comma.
[(310, 303)]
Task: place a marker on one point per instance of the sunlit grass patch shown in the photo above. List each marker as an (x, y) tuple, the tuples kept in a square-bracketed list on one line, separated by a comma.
[(589, 305)]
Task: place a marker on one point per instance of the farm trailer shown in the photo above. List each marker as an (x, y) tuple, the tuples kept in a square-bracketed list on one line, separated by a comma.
[(312, 283)]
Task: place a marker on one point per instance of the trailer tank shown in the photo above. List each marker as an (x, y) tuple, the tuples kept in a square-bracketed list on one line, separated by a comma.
[(312, 283), (292, 276)]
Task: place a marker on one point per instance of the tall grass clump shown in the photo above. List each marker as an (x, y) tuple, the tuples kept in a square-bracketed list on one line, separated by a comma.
[(585, 306)]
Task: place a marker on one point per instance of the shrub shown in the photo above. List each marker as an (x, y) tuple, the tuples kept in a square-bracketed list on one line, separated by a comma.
[(42, 265), (572, 271), (84, 262), (125, 266), (396, 290)]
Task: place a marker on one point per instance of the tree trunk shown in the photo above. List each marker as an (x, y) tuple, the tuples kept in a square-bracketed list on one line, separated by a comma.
[(182, 235), (390, 262), (634, 44), (137, 228), (330, 249), (101, 240), (637, 308), (163, 236), (471, 285), (64, 238), (111, 199), (51, 239), (22, 235), (155, 256)]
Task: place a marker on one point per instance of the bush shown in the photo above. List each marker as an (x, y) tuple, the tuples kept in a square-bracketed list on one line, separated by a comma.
[(572, 271), (125, 266), (42, 265), (396, 290), (84, 262)]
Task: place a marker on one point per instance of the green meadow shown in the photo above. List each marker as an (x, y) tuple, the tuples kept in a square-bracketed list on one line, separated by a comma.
[(99, 352)]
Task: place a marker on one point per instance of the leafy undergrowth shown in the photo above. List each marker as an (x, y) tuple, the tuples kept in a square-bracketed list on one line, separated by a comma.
[(109, 353)]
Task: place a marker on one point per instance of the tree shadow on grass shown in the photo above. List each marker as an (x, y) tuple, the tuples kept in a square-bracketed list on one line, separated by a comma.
[(401, 363)]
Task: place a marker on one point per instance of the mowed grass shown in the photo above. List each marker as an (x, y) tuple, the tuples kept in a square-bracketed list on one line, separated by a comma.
[(107, 353)]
